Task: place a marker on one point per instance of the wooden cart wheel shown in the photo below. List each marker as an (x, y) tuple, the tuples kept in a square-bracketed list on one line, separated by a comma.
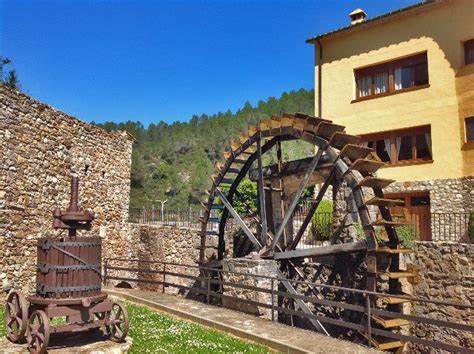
[(16, 316), (38, 332), (118, 322)]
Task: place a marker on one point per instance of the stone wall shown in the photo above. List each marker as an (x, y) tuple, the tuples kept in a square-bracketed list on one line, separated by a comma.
[(253, 267), (40, 148), (160, 244), (446, 272)]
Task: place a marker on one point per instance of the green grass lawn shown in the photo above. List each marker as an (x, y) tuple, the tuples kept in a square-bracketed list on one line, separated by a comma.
[(153, 332), (2, 320)]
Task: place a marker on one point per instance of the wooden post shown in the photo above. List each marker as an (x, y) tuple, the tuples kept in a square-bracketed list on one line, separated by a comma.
[(261, 195)]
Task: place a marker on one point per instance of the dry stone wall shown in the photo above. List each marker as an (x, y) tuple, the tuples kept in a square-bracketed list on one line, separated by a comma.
[(154, 243), (40, 147), (446, 272)]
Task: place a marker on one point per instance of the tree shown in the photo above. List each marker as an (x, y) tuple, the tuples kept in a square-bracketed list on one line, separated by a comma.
[(11, 79), (175, 161)]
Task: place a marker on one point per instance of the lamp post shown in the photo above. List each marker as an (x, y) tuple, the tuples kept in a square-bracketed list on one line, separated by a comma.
[(163, 202)]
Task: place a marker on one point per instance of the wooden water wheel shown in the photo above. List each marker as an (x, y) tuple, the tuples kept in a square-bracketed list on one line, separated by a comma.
[(369, 262)]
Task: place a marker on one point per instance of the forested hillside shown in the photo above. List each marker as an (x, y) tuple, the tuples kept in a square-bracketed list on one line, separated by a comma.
[(175, 161)]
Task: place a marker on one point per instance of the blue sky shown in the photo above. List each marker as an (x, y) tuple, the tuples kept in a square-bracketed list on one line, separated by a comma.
[(166, 60)]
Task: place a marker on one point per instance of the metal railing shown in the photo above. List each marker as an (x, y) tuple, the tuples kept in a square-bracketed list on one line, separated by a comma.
[(206, 282), (456, 227), (188, 218)]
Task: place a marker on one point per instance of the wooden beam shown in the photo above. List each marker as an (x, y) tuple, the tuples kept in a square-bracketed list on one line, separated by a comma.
[(290, 168), (261, 194), (323, 251), (239, 220), (297, 196)]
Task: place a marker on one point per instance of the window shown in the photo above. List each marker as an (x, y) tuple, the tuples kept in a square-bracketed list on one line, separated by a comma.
[(469, 52), (391, 77), (404, 146), (469, 122)]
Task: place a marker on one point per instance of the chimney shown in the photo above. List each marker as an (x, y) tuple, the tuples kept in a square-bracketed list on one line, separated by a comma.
[(357, 16)]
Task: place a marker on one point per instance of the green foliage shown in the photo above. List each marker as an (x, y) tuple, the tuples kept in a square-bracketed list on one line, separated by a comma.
[(406, 235), (11, 77), (247, 192), (153, 332), (3, 330), (175, 161), (321, 224)]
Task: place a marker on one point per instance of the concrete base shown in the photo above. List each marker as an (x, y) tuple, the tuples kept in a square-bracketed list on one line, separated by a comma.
[(72, 344)]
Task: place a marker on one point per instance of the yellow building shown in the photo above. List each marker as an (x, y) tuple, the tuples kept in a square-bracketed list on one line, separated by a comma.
[(404, 81)]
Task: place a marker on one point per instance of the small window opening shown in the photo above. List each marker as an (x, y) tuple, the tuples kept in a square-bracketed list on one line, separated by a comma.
[(469, 123)]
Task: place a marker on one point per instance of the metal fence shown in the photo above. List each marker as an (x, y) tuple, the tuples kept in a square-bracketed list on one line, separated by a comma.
[(206, 282), (168, 217), (457, 227)]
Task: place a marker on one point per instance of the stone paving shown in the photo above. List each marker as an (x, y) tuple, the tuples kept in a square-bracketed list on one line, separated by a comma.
[(85, 343), (275, 335)]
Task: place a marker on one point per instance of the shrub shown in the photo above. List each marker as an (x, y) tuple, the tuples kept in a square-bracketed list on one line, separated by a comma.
[(405, 234), (321, 224)]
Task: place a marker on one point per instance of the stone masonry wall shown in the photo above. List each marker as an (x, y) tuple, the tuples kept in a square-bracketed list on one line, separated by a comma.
[(153, 243), (446, 273), (40, 148)]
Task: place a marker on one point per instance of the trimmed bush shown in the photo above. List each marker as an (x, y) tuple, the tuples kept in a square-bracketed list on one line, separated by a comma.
[(321, 224)]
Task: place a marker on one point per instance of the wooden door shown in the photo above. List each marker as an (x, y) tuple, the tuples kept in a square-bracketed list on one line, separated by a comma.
[(417, 210)]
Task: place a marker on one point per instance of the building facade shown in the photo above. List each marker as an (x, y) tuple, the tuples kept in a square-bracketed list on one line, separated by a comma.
[(404, 82)]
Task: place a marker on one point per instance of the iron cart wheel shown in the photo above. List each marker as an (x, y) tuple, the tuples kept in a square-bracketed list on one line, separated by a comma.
[(16, 316), (118, 322), (38, 332)]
